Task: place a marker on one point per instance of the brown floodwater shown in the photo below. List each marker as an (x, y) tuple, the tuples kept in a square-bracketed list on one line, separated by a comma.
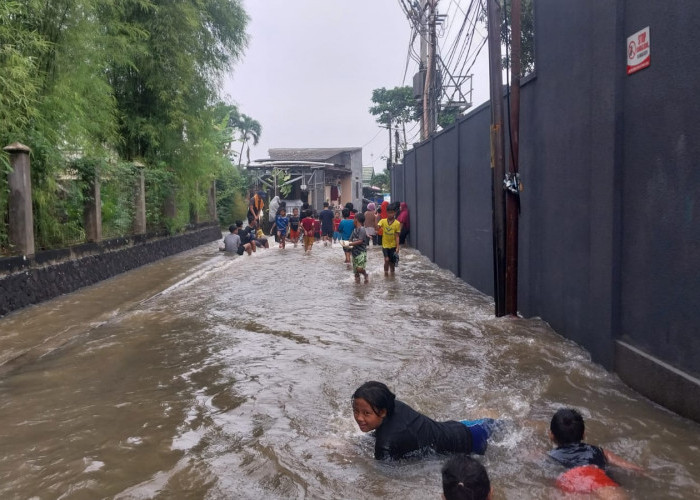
[(211, 376)]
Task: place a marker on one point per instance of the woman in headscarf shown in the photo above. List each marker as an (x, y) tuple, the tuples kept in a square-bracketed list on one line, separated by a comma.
[(382, 215), (370, 222), (405, 221)]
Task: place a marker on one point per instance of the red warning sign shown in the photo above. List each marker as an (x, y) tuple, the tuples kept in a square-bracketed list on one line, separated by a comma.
[(638, 51)]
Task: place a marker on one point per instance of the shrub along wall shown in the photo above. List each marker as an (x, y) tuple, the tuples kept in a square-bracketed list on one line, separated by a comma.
[(55, 272)]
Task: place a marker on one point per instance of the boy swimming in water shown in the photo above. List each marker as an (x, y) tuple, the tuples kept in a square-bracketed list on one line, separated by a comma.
[(402, 432), (586, 463)]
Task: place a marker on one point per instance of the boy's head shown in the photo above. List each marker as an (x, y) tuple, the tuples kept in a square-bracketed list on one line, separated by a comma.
[(390, 213), (359, 220), (346, 213), (251, 217), (295, 211), (239, 224), (232, 228), (567, 427), (464, 478), (282, 212), (325, 204), (337, 214)]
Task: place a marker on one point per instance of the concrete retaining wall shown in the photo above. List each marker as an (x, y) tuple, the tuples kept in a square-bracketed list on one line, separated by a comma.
[(55, 272)]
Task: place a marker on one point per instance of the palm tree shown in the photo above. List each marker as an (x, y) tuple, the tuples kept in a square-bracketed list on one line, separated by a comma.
[(250, 129)]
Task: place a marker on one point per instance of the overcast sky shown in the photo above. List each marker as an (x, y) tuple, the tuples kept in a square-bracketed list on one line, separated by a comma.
[(310, 67)]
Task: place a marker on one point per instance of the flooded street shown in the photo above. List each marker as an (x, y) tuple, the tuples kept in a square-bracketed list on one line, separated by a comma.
[(219, 377)]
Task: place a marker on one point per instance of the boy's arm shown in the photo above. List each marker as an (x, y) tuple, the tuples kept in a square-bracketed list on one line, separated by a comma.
[(621, 462), (397, 239)]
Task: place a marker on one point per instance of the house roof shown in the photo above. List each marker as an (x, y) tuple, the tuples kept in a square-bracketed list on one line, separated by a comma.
[(307, 154)]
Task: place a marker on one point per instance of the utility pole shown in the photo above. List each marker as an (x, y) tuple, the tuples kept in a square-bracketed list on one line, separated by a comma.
[(498, 200), (513, 179), (423, 69), (389, 163), (432, 60)]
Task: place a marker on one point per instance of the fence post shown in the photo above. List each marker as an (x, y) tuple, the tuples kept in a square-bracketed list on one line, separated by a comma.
[(21, 223), (212, 201), (92, 211), (140, 200)]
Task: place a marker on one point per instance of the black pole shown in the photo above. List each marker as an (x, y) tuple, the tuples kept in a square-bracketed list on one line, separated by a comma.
[(497, 155), (513, 192)]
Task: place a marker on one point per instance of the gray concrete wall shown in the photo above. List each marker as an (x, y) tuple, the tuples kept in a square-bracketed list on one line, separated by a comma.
[(55, 272), (609, 231)]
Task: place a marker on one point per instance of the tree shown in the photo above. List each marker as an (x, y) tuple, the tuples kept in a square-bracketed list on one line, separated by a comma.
[(527, 38), (382, 180), (249, 129), (395, 106)]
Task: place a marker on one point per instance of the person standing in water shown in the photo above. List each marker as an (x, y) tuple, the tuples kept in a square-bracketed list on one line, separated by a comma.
[(390, 229), (358, 247), (326, 218), (371, 222), (405, 221)]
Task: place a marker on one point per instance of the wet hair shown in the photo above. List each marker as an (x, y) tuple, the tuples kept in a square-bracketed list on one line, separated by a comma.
[(282, 209), (232, 228), (346, 213), (567, 426), (349, 206), (239, 223), (325, 203), (377, 395), (360, 218), (464, 478)]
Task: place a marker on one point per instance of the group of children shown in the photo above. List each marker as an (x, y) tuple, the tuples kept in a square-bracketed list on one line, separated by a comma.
[(350, 231), (402, 432)]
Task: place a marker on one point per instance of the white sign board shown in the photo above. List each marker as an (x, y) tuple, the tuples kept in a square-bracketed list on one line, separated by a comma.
[(638, 51)]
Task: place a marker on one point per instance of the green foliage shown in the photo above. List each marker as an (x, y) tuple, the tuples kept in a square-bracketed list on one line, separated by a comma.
[(448, 116), (93, 85), (395, 106), (527, 36), (382, 180), (281, 177), (250, 129), (231, 186)]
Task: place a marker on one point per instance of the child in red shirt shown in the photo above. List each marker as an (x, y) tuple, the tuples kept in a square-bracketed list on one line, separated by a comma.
[(307, 224)]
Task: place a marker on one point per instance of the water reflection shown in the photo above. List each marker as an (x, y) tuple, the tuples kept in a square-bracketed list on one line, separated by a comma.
[(206, 376)]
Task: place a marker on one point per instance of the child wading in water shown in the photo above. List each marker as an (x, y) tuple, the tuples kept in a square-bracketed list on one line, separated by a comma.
[(282, 223), (358, 243), (294, 226), (390, 228), (345, 228), (403, 432), (586, 463), (307, 224)]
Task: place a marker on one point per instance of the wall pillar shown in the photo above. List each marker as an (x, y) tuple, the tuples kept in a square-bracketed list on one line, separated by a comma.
[(212, 202), (92, 211), (140, 202), (21, 223)]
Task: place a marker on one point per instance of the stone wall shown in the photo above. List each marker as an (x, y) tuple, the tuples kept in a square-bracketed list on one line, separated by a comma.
[(26, 281)]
